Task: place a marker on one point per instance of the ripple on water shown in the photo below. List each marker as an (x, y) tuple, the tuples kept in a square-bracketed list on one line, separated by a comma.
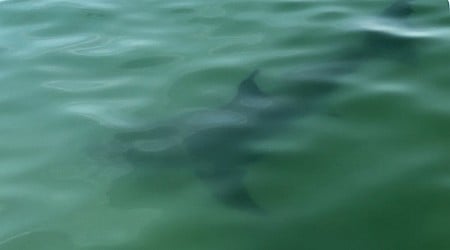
[(394, 28), (112, 61), (107, 113), (77, 86), (150, 61)]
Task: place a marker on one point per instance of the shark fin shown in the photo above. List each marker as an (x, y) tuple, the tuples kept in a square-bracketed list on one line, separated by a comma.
[(227, 185), (248, 86), (399, 9)]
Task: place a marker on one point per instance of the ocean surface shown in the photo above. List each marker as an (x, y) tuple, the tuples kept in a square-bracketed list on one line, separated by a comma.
[(90, 92)]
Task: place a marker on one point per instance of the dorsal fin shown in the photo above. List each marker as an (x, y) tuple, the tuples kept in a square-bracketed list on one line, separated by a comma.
[(399, 9), (248, 87)]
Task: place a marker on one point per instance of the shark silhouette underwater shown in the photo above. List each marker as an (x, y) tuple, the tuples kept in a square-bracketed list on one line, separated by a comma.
[(217, 140)]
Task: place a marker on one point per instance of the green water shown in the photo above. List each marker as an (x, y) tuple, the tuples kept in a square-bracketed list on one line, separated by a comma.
[(368, 169)]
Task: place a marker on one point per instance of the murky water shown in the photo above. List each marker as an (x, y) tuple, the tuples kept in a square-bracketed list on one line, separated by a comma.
[(138, 125)]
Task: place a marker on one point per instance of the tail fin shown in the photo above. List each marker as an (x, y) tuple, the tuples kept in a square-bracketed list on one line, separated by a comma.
[(227, 185)]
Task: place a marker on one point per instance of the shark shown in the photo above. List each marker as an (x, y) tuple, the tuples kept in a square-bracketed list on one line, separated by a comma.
[(218, 140)]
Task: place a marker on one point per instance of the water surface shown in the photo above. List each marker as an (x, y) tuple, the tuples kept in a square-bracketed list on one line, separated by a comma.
[(367, 169)]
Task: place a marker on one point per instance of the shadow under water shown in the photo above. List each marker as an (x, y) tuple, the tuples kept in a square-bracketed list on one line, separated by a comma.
[(215, 144)]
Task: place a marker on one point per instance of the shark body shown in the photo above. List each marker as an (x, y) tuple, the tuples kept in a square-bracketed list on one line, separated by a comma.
[(218, 139)]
